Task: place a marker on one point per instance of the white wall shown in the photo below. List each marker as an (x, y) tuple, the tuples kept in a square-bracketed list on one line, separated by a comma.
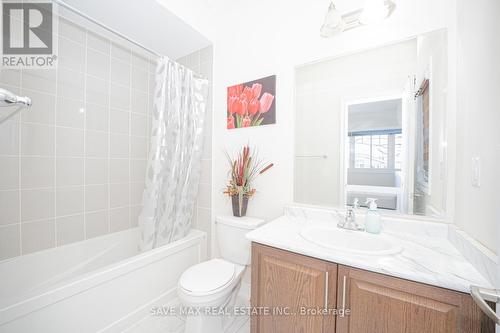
[(322, 89), (478, 119), (280, 48), (258, 38)]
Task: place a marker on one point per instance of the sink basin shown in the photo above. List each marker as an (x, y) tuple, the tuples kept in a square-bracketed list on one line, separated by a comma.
[(356, 242)]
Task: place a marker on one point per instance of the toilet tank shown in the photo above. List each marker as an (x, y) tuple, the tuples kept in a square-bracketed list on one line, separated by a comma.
[(231, 231)]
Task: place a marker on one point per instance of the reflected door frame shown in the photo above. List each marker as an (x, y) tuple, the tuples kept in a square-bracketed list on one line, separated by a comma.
[(344, 125)]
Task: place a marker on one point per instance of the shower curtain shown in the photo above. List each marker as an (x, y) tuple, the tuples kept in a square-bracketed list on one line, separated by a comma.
[(174, 161)]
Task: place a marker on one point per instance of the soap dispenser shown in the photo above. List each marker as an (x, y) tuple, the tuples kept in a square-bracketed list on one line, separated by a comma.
[(372, 218)]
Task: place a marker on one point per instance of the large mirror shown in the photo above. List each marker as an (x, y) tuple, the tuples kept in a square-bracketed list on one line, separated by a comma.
[(373, 125)]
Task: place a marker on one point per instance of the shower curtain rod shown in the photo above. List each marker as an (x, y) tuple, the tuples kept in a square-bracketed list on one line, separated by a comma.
[(80, 13), (102, 25)]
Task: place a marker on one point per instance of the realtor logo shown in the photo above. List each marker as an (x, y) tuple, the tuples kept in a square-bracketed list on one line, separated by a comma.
[(27, 35)]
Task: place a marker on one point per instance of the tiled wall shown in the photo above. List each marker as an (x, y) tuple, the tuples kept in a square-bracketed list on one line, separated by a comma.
[(201, 63), (73, 166)]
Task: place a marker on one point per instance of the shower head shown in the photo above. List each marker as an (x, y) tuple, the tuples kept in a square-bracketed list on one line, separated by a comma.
[(8, 98)]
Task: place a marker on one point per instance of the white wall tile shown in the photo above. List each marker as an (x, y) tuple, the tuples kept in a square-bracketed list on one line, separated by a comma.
[(140, 61), (96, 223), (71, 54), (136, 191), (206, 54), (138, 170), (96, 117), (37, 140), (43, 109), (120, 72), (96, 170), (37, 172), (98, 64), (153, 64), (83, 143), (119, 97), (135, 211), (119, 121), (118, 195), (119, 145), (69, 142), (37, 204), (96, 42), (96, 197), (37, 236), (120, 52), (119, 219), (138, 124), (97, 91), (119, 170), (69, 200), (96, 144), (207, 147), (140, 79), (70, 229), (43, 80), (139, 102), (10, 77), (70, 171), (204, 219), (152, 82), (9, 207), (9, 241), (139, 147), (207, 126), (204, 195), (206, 171), (71, 31), (70, 83), (9, 138), (205, 70), (70, 113)]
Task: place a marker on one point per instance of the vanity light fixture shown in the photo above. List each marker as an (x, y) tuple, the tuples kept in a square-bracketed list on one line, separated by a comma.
[(333, 22), (374, 11)]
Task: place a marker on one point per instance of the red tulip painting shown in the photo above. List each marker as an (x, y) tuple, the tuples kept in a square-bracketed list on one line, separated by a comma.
[(252, 103)]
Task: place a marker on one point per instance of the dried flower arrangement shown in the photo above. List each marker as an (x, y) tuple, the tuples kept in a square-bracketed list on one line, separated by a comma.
[(244, 169)]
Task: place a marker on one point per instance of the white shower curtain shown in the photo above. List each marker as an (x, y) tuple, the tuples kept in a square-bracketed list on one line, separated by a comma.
[(174, 164)]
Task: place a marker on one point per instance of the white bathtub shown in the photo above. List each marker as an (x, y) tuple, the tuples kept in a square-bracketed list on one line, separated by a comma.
[(98, 285)]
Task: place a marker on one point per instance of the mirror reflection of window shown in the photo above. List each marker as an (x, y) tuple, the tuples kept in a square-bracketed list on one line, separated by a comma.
[(375, 139), (347, 147)]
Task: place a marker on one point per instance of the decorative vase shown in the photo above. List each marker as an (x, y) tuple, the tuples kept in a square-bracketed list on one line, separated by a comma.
[(240, 203)]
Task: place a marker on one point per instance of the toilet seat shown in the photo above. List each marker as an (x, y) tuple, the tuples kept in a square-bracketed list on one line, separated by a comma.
[(208, 277)]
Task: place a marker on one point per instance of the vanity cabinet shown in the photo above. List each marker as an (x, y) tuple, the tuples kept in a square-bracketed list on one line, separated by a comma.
[(284, 284), (380, 303), (376, 303)]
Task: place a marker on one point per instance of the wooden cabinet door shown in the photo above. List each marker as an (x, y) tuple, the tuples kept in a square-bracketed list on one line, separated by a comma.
[(283, 281), (383, 304)]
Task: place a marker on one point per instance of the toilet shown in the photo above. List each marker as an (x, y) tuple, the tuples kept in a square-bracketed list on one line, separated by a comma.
[(213, 283)]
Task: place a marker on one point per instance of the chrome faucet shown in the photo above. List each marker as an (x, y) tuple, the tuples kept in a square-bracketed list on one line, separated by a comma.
[(348, 221)]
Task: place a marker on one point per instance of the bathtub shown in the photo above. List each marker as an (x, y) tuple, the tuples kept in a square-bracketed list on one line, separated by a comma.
[(98, 285)]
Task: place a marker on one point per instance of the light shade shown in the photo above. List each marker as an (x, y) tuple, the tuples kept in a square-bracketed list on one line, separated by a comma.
[(374, 11), (333, 22)]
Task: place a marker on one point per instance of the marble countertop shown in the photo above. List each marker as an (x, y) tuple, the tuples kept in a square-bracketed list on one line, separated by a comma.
[(427, 255)]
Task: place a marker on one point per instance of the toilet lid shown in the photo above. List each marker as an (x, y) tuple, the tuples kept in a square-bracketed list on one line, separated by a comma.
[(207, 276)]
